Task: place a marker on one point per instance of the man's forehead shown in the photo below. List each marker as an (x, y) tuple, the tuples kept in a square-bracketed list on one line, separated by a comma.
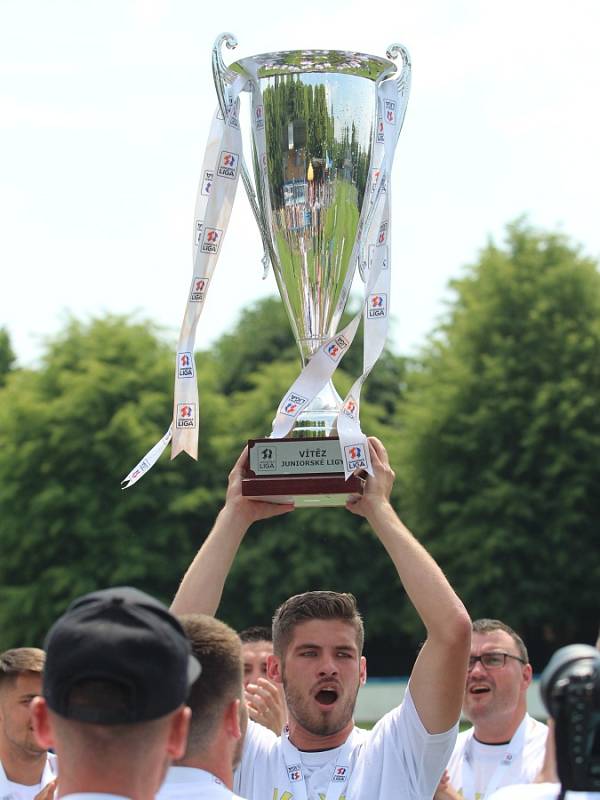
[(493, 640), (335, 632), (24, 683), (257, 649)]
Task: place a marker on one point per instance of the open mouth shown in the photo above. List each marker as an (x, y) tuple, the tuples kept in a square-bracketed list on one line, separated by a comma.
[(479, 689), (326, 697)]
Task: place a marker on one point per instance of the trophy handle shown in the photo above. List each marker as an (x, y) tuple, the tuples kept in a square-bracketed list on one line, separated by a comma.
[(220, 72), (403, 80), (403, 84)]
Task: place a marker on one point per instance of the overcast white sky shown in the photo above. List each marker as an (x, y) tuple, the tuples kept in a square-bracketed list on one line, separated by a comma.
[(104, 113)]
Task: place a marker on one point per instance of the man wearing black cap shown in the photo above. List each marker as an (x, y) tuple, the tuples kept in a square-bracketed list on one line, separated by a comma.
[(117, 675)]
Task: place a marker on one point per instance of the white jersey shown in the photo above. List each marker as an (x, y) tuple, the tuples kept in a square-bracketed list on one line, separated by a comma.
[(540, 791), (398, 758), (19, 791), (189, 783), (477, 770)]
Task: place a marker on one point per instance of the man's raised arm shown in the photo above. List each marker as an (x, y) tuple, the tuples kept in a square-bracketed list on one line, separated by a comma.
[(202, 585), (437, 682)]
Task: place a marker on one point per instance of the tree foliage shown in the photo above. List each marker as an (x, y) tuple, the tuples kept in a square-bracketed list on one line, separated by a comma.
[(68, 433), (501, 434), (7, 356)]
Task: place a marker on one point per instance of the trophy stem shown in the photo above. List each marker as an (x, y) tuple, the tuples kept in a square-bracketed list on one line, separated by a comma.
[(308, 346), (320, 416)]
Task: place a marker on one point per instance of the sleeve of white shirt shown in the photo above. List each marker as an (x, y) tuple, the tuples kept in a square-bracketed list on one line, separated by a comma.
[(402, 757)]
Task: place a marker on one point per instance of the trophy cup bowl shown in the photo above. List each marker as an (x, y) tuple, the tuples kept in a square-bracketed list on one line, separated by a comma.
[(317, 111)]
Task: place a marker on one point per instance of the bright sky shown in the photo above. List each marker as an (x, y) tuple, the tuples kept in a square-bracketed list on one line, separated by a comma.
[(104, 113)]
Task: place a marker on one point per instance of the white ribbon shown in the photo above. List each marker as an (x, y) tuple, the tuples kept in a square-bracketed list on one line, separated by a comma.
[(214, 201)]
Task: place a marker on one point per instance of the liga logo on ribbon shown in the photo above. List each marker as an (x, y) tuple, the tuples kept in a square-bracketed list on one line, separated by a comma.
[(228, 165), (142, 467), (207, 182), (380, 131), (211, 240), (374, 178), (349, 408), (294, 772), (186, 415), (355, 457), (185, 365), (340, 774), (335, 348), (259, 118), (382, 235), (198, 289), (198, 225), (390, 112), (377, 306), (292, 404), (234, 118)]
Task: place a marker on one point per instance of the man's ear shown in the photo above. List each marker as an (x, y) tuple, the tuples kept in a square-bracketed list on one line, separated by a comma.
[(232, 719), (40, 720), (274, 669), (362, 671), (178, 732), (527, 674)]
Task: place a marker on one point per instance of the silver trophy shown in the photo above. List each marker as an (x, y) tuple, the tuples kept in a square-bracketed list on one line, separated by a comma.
[(313, 176)]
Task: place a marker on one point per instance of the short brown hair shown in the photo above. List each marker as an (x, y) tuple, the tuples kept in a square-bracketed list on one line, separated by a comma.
[(315, 605), (490, 625), (19, 660), (219, 651), (256, 633)]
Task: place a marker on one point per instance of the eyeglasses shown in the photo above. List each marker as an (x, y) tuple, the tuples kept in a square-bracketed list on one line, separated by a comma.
[(492, 660)]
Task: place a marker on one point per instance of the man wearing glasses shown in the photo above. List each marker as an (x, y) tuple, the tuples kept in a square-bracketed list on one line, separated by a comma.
[(505, 745)]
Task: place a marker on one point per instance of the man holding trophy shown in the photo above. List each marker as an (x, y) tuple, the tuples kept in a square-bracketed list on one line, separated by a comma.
[(317, 640)]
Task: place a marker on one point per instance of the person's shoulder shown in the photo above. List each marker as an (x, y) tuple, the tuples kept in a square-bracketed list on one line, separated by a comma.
[(464, 736), (537, 726), (260, 735), (259, 743)]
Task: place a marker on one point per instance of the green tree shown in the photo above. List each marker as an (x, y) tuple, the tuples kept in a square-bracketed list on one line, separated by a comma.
[(7, 356), (68, 433), (501, 434)]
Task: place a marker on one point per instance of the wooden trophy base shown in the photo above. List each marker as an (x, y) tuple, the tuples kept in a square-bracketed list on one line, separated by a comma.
[(305, 472)]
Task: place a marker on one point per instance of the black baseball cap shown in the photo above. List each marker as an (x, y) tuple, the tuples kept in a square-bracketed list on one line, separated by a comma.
[(123, 638)]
